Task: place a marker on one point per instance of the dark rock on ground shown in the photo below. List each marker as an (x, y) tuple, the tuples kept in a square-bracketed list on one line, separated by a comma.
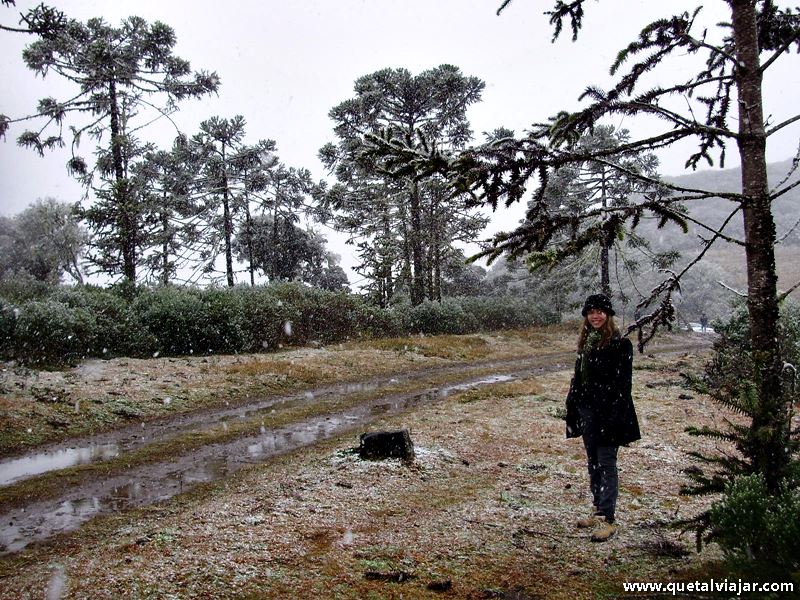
[(386, 444)]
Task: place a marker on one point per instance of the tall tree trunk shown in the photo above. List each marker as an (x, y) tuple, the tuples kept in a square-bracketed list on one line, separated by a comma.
[(417, 276), (165, 245), (249, 222), (436, 244), (438, 271), (387, 259), (228, 221), (126, 218), (405, 275), (605, 278), (274, 275), (770, 422)]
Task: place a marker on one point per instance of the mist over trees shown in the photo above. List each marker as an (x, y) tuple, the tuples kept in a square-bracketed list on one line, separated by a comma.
[(43, 242)]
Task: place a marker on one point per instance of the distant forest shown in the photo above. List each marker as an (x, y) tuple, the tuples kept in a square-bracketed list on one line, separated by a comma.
[(216, 208)]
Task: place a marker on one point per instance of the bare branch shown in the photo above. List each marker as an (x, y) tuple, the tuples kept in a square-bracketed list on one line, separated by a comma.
[(730, 289), (780, 193), (783, 295), (780, 126), (788, 233), (717, 233)]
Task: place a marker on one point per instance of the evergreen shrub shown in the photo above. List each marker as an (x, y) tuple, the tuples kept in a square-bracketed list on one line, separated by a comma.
[(434, 318), (221, 320), (321, 315), (752, 520), (379, 322), (264, 320), (175, 317), (8, 325), (331, 317), (123, 320), (49, 332), (117, 330), (756, 530), (22, 289), (508, 312), (731, 363)]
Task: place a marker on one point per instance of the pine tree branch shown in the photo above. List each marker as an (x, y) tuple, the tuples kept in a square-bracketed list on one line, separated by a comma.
[(782, 296), (780, 193), (780, 126), (730, 289), (717, 233), (702, 194), (775, 55)]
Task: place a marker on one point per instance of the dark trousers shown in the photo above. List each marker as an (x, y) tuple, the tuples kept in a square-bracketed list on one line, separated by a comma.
[(603, 479)]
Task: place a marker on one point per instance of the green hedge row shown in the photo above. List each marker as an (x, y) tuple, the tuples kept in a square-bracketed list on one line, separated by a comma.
[(68, 324)]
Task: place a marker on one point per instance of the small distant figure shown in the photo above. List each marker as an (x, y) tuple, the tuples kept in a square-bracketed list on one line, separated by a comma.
[(703, 322)]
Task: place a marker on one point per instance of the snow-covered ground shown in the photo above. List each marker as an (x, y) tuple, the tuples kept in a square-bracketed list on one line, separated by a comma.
[(699, 328)]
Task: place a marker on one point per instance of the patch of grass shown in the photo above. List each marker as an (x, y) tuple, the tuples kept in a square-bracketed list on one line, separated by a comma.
[(503, 390), (452, 347), (285, 372)]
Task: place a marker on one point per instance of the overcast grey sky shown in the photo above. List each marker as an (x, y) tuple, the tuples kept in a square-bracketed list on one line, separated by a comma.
[(284, 65)]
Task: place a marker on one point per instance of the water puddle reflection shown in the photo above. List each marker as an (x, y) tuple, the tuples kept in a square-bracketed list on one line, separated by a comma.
[(153, 483), (112, 444), (17, 469)]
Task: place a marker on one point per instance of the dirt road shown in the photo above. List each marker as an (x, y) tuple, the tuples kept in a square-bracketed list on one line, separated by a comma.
[(471, 441)]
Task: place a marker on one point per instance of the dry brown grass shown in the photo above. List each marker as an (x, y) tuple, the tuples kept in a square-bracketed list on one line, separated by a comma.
[(488, 505)]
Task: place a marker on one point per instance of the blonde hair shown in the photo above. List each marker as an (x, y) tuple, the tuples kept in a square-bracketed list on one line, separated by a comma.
[(607, 331)]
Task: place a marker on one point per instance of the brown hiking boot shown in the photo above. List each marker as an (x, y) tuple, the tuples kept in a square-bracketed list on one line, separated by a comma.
[(604, 531), (592, 520)]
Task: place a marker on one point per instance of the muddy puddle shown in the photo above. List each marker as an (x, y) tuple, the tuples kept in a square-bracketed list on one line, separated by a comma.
[(152, 483), (110, 445)]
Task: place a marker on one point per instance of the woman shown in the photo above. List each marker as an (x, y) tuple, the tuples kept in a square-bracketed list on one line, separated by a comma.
[(600, 408)]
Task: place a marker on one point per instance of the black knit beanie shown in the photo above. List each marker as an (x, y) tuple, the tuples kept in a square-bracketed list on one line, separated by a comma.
[(599, 301)]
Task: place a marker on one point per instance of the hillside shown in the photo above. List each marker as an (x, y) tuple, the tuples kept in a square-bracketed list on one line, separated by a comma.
[(726, 262)]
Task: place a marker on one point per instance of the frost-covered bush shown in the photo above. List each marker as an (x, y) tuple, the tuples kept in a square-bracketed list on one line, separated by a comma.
[(380, 322), (332, 316), (221, 320), (321, 315), (744, 520), (124, 320), (8, 324), (508, 312), (757, 529), (22, 289), (266, 320), (49, 332), (117, 330), (731, 364), (447, 317), (175, 317)]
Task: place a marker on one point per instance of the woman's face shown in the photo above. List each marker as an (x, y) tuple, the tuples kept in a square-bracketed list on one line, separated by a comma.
[(597, 318)]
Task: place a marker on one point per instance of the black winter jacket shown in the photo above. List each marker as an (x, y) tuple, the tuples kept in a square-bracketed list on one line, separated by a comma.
[(607, 394)]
